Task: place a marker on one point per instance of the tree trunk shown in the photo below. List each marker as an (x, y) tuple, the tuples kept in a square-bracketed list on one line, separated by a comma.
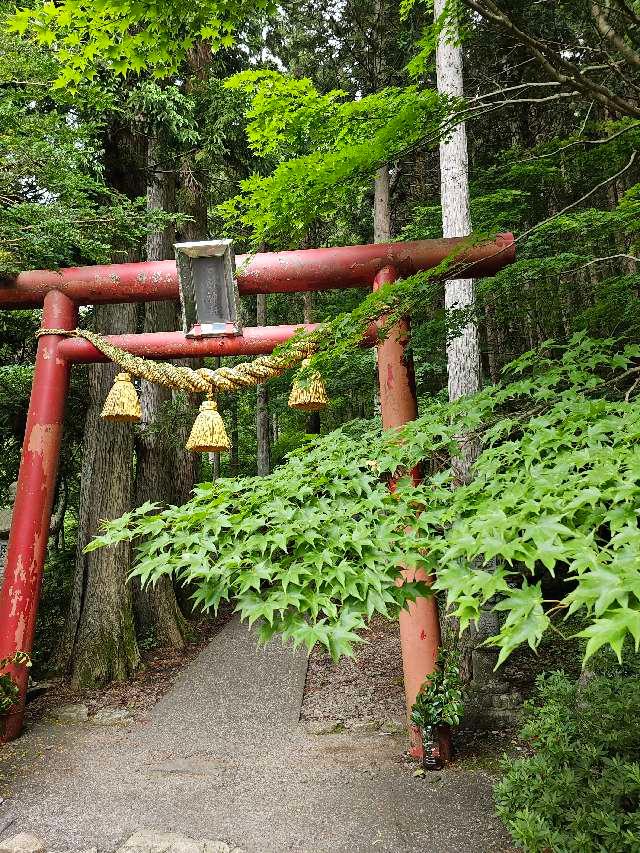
[(156, 608), (382, 206), (193, 201), (463, 353), (262, 403), (463, 363), (98, 642), (381, 234), (214, 458), (234, 459)]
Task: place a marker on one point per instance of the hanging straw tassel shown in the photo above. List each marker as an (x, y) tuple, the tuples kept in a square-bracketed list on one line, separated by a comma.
[(310, 396), (208, 434), (122, 403)]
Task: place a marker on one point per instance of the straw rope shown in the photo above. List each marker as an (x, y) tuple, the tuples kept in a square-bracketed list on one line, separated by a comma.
[(203, 380)]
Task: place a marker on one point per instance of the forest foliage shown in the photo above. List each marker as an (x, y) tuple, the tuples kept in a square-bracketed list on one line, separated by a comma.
[(580, 789)]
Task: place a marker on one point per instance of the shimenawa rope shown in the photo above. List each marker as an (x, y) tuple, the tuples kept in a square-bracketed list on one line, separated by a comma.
[(208, 433)]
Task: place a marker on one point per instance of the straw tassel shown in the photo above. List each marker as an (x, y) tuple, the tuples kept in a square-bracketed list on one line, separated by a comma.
[(122, 403), (311, 395), (208, 434)]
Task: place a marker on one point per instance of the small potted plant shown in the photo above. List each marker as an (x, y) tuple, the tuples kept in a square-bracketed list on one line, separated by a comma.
[(438, 706)]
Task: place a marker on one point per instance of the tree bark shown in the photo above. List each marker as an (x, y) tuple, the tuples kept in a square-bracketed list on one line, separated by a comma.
[(313, 418), (98, 642), (214, 458), (381, 234), (463, 358), (193, 201), (156, 608), (234, 458), (262, 403), (382, 206), (463, 351)]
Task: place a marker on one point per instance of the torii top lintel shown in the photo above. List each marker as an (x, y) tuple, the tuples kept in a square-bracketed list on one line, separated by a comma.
[(269, 272)]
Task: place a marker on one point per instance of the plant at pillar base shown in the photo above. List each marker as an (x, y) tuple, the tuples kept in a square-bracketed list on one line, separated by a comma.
[(9, 690), (438, 706)]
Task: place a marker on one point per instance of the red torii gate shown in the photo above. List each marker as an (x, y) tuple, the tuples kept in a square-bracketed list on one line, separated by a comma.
[(61, 293)]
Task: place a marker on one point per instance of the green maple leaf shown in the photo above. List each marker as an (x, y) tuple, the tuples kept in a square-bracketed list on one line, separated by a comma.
[(612, 629)]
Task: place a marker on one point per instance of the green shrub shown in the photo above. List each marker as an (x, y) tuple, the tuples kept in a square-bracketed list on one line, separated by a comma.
[(9, 691), (580, 791)]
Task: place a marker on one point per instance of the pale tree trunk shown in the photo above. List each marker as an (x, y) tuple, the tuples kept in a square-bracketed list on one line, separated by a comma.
[(381, 234), (262, 403), (463, 366), (382, 206), (156, 608), (98, 641), (463, 353)]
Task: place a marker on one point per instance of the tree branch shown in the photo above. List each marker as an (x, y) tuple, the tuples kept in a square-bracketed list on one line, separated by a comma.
[(607, 32), (602, 141), (558, 68)]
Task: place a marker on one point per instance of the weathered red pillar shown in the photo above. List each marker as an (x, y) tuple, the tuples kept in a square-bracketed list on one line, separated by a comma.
[(420, 624), (34, 500)]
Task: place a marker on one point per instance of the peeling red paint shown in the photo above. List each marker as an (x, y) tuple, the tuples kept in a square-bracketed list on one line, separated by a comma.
[(42, 437), (268, 272), (34, 497)]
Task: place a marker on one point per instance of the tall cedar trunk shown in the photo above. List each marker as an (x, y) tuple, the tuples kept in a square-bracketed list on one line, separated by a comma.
[(156, 608), (193, 203), (262, 403), (194, 200), (98, 642)]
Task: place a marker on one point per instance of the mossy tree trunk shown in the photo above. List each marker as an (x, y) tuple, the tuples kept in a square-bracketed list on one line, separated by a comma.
[(98, 642)]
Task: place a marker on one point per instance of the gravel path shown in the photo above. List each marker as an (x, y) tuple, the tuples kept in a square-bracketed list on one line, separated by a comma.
[(225, 757)]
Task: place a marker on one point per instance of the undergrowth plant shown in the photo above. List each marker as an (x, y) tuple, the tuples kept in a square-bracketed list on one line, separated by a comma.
[(580, 791), (315, 549), (8, 688), (439, 701)]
